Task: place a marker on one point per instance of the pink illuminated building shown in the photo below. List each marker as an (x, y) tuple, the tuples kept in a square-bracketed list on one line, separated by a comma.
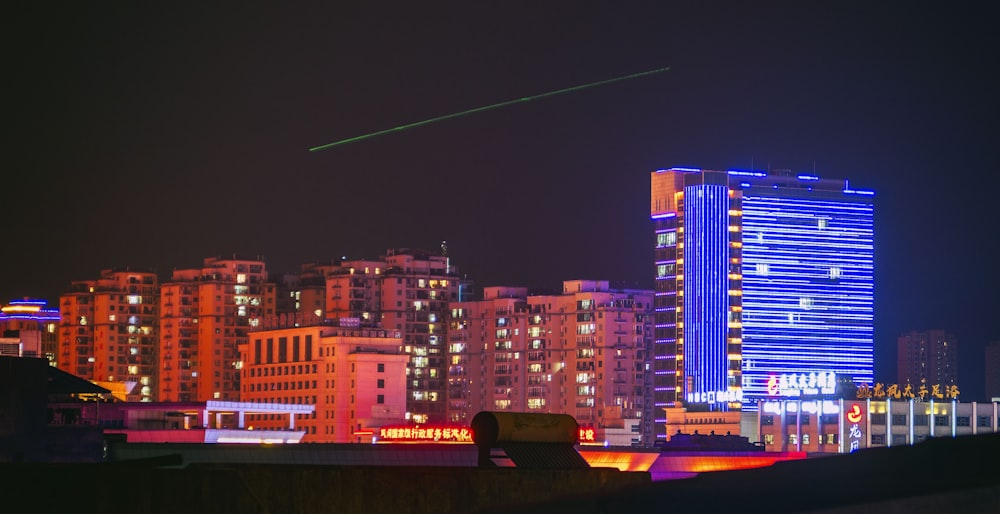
[(207, 313), (584, 352), (407, 291), (108, 331), (354, 375)]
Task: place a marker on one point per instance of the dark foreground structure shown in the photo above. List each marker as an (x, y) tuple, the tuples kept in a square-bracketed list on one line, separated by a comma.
[(140, 488), (523, 463), (940, 475)]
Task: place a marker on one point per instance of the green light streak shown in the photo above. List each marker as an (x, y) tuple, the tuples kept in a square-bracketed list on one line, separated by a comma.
[(486, 108)]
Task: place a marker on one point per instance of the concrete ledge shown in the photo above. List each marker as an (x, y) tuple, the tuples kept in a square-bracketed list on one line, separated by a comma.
[(253, 488)]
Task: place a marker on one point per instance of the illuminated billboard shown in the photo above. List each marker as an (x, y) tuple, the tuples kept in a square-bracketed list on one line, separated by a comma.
[(855, 424), (423, 434)]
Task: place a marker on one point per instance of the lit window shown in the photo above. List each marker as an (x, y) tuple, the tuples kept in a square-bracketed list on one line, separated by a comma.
[(666, 239)]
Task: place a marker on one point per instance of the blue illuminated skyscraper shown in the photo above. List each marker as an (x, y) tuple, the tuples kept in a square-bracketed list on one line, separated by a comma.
[(764, 285)]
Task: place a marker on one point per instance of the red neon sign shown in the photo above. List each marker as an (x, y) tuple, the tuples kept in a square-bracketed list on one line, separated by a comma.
[(854, 415), (587, 435), (425, 434)]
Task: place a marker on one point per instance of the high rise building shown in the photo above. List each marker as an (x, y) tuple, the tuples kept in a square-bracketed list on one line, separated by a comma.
[(206, 314), (928, 358), (993, 371), (584, 352), (28, 328), (407, 290), (761, 280), (108, 331), (302, 295), (477, 330)]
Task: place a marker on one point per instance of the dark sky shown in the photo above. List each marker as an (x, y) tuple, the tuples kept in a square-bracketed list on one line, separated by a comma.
[(157, 135)]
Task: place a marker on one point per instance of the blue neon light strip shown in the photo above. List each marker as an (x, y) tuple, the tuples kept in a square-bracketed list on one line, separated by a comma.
[(808, 288), (743, 173), (706, 286)]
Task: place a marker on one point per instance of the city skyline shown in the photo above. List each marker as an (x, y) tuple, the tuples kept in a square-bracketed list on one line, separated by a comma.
[(154, 138)]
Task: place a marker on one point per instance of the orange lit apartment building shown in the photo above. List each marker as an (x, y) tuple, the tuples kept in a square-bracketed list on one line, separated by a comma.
[(355, 376), (206, 314), (475, 329), (406, 290), (108, 331), (585, 352)]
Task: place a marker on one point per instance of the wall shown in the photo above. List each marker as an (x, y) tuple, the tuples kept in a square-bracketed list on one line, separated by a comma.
[(304, 489)]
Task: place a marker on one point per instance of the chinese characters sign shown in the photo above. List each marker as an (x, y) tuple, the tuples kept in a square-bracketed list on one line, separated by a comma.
[(425, 434), (854, 417), (880, 392), (793, 385), (729, 396)]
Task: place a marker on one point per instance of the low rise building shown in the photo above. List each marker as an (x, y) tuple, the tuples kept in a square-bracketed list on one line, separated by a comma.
[(355, 376), (844, 426), (210, 421), (29, 329)]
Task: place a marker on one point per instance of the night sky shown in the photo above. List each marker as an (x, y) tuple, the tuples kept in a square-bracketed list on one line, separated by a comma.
[(154, 136)]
